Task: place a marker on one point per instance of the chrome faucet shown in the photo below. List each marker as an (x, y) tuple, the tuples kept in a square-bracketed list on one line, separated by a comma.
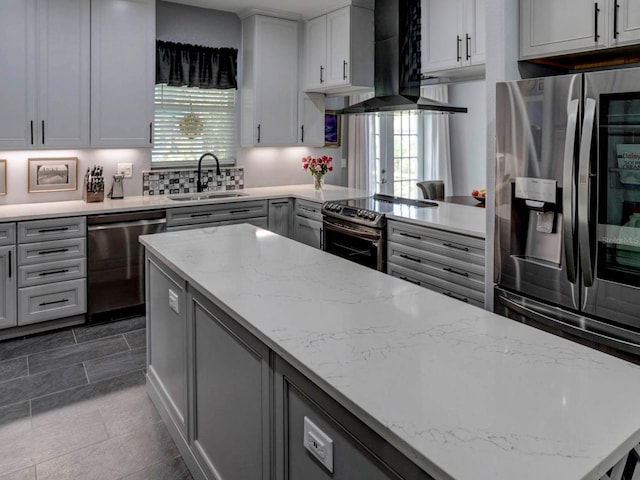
[(199, 185)]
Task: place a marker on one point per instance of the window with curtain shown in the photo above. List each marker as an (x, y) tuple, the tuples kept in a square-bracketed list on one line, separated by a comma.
[(398, 158), (410, 147), (195, 104)]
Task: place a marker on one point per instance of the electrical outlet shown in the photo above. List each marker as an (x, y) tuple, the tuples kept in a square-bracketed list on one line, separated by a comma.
[(318, 444), (174, 301), (125, 169), (343, 163)]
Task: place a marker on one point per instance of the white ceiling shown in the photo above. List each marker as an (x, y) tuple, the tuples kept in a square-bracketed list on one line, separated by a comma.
[(294, 8)]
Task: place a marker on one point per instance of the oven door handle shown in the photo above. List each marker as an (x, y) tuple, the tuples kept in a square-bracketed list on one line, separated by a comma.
[(352, 231)]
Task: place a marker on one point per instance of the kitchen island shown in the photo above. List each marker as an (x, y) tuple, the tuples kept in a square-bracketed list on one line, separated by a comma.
[(459, 392)]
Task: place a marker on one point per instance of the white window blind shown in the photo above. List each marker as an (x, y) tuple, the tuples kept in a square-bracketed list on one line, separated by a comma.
[(189, 121)]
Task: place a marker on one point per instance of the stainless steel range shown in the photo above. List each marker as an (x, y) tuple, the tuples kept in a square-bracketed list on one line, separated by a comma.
[(355, 229)]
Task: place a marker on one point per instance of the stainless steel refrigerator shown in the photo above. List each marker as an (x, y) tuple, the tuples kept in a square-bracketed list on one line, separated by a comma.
[(567, 246)]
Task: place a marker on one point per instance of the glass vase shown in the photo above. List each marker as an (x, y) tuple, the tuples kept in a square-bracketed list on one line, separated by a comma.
[(317, 182)]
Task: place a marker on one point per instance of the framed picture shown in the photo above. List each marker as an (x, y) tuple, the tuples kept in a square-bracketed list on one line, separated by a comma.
[(3, 177), (331, 129), (53, 175)]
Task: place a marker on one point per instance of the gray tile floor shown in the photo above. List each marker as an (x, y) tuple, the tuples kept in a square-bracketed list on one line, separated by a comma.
[(73, 406)]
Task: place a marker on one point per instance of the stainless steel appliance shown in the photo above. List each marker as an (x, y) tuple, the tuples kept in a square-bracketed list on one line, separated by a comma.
[(116, 262), (355, 229), (567, 247)]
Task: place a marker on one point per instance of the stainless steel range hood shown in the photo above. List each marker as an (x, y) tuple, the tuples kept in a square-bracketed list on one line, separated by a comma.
[(397, 60)]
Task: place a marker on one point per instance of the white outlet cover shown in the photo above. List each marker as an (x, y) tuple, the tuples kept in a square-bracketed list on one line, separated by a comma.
[(125, 169), (174, 301), (318, 444)]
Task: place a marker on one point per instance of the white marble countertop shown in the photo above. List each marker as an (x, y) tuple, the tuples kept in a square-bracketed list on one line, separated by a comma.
[(464, 393), (461, 219)]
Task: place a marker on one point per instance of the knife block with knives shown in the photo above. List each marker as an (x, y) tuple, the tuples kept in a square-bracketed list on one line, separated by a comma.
[(93, 187)]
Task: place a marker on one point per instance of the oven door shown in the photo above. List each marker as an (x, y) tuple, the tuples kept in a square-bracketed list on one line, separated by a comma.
[(360, 244)]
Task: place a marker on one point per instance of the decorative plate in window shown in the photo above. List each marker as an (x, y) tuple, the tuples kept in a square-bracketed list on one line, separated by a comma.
[(191, 125)]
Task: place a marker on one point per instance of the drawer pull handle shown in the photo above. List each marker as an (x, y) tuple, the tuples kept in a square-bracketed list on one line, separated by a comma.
[(462, 299), (404, 234), (44, 304), (456, 247), (451, 270), (240, 211), (409, 257), (49, 252), (51, 230), (312, 210), (410, 280), (54, 272), (196, 215)]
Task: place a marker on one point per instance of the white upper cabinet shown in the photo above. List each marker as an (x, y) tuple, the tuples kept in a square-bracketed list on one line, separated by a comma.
[(338, 50), (315, 48), (453, 34), (626, 22), (548, 27), (269, 92), (45, 83), (311, 119), (123, 72)]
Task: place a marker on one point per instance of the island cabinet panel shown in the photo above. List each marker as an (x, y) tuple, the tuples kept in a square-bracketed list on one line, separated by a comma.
[(167, 340), (231, 397), (358, 452)]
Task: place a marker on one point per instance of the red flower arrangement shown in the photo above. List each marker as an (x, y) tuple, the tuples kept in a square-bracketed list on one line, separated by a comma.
[(317, 167)]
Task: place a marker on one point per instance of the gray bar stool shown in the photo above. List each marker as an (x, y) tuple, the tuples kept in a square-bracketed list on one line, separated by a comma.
[(432, 189)]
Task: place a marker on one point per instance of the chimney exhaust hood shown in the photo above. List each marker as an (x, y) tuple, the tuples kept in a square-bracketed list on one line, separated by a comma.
[(397, 63)]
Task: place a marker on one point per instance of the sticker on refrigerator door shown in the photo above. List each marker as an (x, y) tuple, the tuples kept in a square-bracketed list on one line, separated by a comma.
[(628, 156)]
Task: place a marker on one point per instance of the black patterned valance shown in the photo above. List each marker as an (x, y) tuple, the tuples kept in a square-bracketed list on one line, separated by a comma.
[(179, 65)]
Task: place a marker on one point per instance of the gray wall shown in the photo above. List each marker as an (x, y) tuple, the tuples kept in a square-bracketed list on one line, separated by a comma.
[(468, 137)]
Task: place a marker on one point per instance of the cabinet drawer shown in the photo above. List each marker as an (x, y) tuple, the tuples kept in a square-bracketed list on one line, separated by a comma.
[(7, 233), (447, 244), (32, 253), (216, 213), (467, 295), (451, 270), (52, 229), (308, 209), (49, 272), (51, 301)]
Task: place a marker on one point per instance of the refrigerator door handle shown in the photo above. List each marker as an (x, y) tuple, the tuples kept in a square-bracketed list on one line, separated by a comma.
[(568, 192), (584, 186), (595, 331)]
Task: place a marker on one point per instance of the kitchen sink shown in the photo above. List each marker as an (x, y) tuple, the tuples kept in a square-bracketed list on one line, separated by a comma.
[(189, 197)]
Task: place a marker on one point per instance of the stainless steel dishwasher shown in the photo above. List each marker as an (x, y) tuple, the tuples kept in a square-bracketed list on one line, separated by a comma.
[(116, 263)]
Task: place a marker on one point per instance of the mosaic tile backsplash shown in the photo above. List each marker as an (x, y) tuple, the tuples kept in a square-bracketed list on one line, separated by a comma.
[(170, 182)]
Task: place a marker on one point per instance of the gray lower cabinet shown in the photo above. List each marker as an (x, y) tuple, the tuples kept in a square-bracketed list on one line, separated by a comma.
[(308, 223), (231, 397), (442, 261), (235, 409), (167, 340), (8, 311), (8, 276), (358, 452), (254, 212), (280, 216), (51, 269)]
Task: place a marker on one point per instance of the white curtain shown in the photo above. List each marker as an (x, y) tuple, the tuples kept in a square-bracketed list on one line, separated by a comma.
[(436, 142), (361, 148)]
